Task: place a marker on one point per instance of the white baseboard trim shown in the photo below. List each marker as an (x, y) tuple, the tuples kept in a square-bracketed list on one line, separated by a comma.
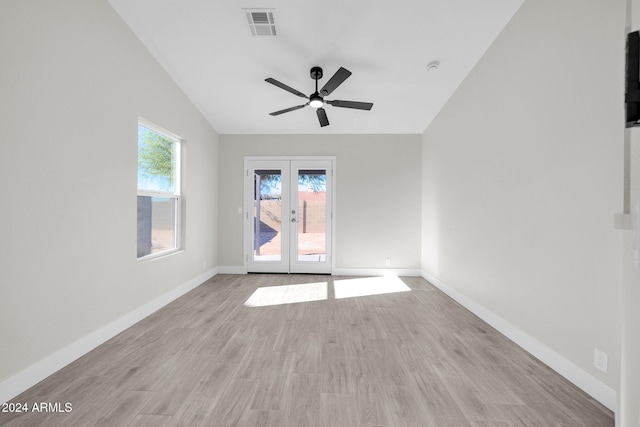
[(230, 269), (376, 271), (35, 373), (585, 381)]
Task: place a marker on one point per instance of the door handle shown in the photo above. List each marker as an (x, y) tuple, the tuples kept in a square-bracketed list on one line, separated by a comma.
[(294, 220)]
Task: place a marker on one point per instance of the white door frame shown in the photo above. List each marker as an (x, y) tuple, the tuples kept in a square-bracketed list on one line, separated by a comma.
[(248, 208)]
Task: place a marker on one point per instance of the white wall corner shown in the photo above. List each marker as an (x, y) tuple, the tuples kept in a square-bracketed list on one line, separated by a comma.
[(37, 372), (582, 379)]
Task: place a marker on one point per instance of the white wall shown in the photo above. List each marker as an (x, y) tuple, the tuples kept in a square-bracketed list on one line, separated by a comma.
[(522, 176), (377, 194), (629, 410), (73, 81)]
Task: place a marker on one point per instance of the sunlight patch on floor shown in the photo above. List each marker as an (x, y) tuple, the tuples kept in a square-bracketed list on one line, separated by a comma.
[(349, 288), (288, 294)]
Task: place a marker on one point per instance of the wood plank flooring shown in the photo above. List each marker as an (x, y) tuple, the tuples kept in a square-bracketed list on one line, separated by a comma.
[(413, 358)]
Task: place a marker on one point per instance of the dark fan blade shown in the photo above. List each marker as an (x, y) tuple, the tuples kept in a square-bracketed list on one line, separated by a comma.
[(285, 87), (322, 116), (336, 80), (350, 104), (286, 110)]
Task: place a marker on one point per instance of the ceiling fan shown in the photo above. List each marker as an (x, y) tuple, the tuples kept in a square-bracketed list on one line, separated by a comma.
[(316, 99)]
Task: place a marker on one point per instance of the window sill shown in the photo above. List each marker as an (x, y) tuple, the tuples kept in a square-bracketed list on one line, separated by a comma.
[(159, 256)]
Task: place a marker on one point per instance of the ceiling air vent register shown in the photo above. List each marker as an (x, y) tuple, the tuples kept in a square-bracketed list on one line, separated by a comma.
[(261, 22)]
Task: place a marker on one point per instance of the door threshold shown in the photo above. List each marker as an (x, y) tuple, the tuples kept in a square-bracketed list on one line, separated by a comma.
[(282, 273)]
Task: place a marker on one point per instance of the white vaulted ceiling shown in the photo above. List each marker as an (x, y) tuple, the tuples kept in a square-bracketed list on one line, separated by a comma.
[(207, 48)]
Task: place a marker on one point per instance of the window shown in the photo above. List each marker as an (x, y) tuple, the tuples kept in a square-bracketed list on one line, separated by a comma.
[(158, 191)]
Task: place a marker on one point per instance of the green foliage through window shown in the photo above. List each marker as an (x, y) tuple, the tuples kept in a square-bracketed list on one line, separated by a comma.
[(156, 161)]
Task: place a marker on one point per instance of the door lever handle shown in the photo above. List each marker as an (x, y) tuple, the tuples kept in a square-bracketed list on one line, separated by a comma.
[(294, 220)]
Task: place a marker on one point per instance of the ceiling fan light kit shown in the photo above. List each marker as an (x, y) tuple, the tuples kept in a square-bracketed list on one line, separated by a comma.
[(316, 99)]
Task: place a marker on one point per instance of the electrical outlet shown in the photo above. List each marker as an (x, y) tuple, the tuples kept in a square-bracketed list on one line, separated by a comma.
[(600, 360), (387, 262)]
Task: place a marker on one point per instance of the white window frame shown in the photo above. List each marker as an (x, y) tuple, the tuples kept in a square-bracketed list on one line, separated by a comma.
[(177, 195)]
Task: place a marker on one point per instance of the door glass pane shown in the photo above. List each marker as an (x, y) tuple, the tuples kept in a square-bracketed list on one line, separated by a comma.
[(311, 215), (267, 215)]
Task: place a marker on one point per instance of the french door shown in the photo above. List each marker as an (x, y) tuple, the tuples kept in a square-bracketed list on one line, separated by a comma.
[(288, 215)]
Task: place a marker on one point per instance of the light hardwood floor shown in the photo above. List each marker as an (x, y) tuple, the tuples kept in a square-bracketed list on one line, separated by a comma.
[(413, 358)]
